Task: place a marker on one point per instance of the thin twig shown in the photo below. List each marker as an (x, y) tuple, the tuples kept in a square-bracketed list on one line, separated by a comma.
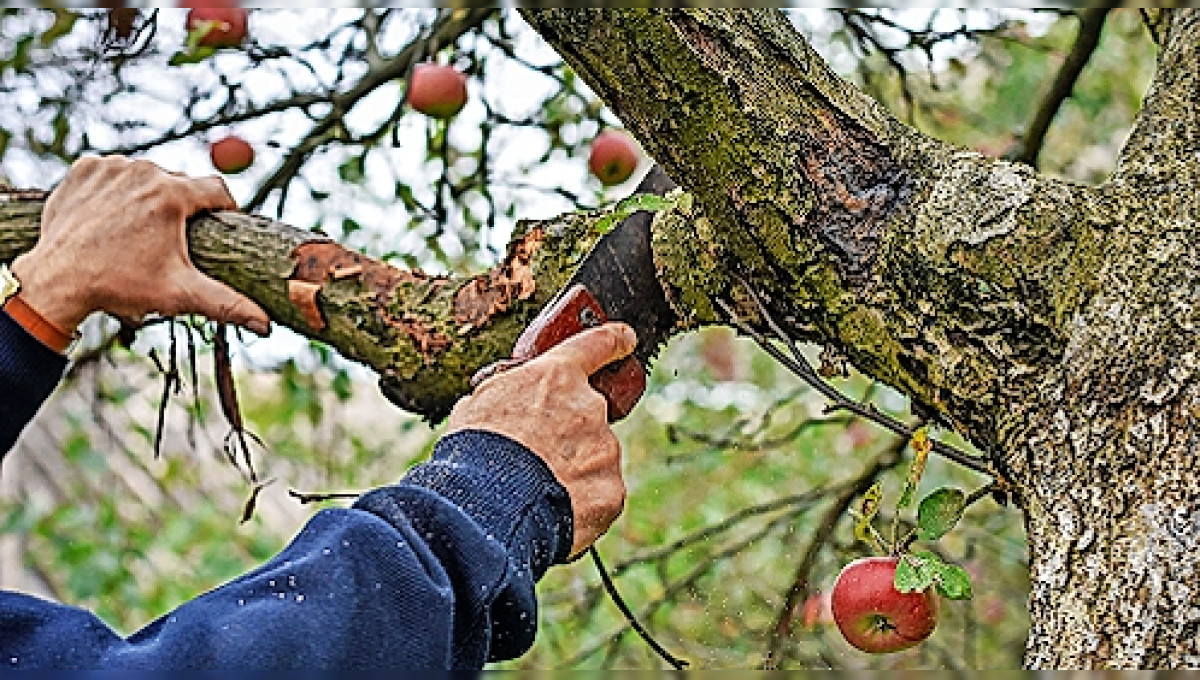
[(765, 445), (795, 501), (1091, 23), (610, 587), (979, 493), (799, 365), (686, 581), (450, 26)]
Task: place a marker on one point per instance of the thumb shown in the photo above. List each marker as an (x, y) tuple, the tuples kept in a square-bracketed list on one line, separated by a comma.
[(201, 294), (597, 347)]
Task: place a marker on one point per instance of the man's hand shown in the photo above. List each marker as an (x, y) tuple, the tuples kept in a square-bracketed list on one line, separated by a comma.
[(113, 238), (548, 406)]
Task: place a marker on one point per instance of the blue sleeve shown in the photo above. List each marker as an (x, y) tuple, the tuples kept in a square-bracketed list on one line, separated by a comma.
[(437, 571), (29, 372)]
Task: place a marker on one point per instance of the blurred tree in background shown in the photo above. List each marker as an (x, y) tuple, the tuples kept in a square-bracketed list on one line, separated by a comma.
[(739, 478)]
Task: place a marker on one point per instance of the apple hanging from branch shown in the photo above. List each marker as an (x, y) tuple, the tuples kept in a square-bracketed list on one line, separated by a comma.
[(890, 603), (231, 154), (614, 157), (218, 27), (437, 90), (874, 616)]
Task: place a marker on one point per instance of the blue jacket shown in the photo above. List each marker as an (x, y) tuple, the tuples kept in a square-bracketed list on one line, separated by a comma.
[(437, 571)]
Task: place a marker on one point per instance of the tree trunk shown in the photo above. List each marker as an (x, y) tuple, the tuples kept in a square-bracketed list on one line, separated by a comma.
[(1052, 324)]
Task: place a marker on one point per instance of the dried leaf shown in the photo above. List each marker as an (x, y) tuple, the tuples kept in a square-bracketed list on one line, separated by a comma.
[(921, 445)]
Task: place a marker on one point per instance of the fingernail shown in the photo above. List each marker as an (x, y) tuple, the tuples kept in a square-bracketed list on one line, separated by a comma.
[(261, 328), (629, 336)]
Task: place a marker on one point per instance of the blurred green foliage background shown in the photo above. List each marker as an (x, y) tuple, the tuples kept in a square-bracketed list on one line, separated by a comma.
[(732, 464)]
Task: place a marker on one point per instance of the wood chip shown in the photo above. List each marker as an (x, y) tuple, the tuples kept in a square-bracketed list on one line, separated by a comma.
[(304, 296), (339, 273)]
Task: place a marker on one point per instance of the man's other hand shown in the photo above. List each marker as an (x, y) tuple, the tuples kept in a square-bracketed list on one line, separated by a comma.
[(113, 238), (548, 406)]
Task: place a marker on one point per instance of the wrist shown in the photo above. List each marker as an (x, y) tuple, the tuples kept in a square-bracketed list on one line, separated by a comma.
[(54, 295)]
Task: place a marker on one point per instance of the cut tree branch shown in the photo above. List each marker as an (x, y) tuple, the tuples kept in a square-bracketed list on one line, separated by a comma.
[(425, 335)]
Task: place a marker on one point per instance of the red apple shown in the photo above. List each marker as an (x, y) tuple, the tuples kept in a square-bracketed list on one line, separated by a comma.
[(227, 24), (437, 90), (614, 157), (874, 616), (231, 154)]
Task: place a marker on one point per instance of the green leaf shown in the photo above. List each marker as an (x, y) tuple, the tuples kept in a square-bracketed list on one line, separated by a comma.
[(953, 582), (918, 571), (353, 170), (631, 205), (405, 193), (650, 202), (939, 512), (342, 385), (20, 55), (914, 573)]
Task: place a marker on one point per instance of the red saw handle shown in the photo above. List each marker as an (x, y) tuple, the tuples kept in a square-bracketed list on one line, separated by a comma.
[(621, 382)]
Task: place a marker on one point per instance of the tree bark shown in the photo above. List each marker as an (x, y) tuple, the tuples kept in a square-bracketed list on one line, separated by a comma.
[(1052, 324)]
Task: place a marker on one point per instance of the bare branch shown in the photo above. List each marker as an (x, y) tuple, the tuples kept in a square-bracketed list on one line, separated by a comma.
[(1091, 23), (449, 27)]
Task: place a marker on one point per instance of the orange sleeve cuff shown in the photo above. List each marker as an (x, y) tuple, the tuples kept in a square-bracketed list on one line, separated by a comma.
[(47, 333)]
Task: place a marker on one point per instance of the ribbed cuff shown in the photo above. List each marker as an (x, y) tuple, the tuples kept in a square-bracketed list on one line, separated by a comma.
[(29, 372), (506, 489)]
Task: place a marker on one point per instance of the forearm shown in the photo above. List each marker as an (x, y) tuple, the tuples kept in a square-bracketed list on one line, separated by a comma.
[(434, 572)]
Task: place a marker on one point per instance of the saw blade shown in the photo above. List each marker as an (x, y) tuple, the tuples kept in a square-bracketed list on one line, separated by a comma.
[(619, 271)]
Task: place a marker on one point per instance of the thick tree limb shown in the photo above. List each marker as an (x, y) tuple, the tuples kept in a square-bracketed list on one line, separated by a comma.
[(1166, 132), (1054, 324), (424, 334)]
